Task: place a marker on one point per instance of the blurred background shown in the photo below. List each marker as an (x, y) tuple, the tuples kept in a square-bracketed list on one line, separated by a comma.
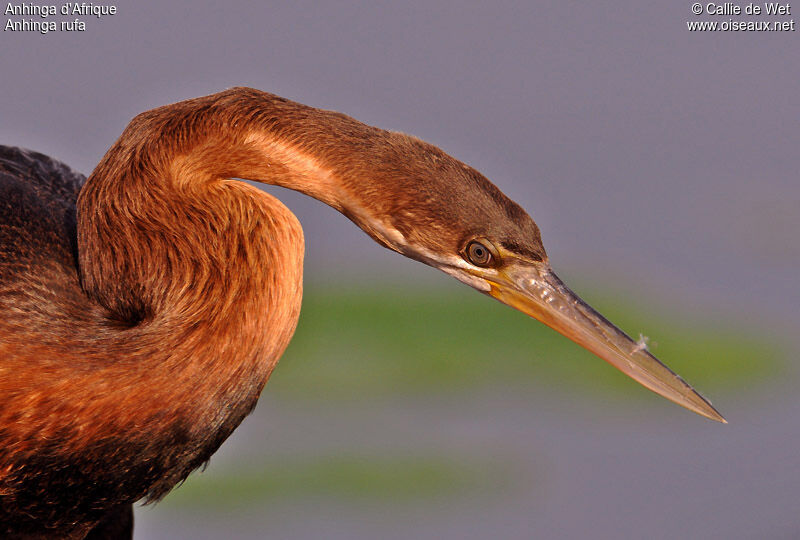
[(662, 168)]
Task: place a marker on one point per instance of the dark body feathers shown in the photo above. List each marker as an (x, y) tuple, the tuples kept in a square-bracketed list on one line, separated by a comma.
[(37, 210), (38, 263)]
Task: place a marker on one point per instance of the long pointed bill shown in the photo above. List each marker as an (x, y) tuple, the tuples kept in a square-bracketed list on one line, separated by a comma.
[(544, 297)]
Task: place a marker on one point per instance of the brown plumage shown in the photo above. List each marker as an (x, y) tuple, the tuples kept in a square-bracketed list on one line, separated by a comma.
[(144, 310)]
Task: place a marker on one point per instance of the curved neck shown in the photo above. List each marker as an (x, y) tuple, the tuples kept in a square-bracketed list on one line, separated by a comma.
[(193, 284), (198, 274), (164, 185), (249, 134)]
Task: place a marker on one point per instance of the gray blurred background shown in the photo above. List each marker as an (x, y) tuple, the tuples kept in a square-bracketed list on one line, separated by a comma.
[(662, 168)]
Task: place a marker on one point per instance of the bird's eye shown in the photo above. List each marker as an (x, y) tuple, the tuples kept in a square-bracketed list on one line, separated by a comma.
[(478, 254)]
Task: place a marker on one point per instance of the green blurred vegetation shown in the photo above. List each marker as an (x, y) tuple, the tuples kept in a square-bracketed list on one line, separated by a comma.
[(403, 479), (383, 341), (390, 340)]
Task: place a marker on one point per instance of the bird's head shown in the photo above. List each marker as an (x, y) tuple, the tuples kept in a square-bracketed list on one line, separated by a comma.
[(433, 208)]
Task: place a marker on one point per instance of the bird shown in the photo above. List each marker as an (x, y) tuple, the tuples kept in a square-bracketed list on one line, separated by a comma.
[(145, 307)]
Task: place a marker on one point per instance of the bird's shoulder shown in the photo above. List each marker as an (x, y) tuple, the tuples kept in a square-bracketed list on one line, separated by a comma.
[(37, 209)]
